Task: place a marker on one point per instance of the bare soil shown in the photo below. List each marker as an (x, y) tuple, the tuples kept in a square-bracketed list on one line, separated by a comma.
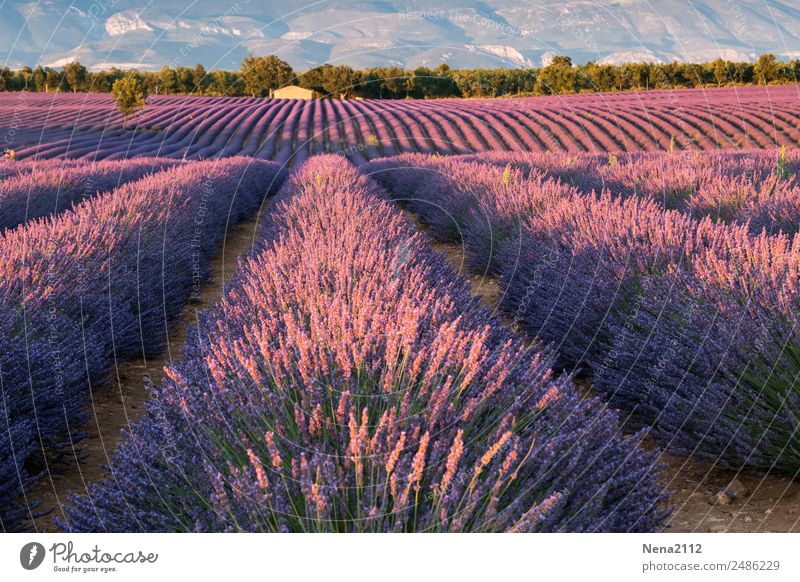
[(116, 406), (771, 503), (768, 503)]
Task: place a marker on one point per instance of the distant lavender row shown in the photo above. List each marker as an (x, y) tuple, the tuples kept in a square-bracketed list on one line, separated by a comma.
[(10, 168), (691, 325), (349, 382), (88, 287), (759, 187), (52, 188), (90, 127)]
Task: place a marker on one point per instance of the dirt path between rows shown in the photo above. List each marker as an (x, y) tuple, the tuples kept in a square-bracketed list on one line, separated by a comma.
[(763, 504), (122, 402)]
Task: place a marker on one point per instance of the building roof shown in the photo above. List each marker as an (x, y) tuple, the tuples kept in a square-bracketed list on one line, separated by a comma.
[(294, 92)]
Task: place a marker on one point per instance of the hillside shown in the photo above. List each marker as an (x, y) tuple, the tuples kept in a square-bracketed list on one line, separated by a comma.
[(410, 33)]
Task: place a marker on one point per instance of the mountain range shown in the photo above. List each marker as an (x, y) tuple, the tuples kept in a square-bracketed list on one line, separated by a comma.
[(410, 33)]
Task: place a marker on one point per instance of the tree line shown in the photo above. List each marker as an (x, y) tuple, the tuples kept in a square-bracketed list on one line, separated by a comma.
[(260, 75)]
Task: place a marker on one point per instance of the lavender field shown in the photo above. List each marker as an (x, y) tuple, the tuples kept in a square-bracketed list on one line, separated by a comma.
[(643, 249), (89, 126)]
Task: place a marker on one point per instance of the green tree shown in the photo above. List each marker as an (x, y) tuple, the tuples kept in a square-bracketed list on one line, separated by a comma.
[(419, 82), (557, 78), (185, 76), (793, 71), (99, 81), (200, 78), (443, 84), (314, 79), (75, 74), (638, 75), (394, 81), (226, 83), (743, 73), (53, 80), (27, 74), (722, 73), (130, 96), (597, 77), (167, 81), (39, 79), (767, 69), (341, 81), (7, 80), (264, 74)]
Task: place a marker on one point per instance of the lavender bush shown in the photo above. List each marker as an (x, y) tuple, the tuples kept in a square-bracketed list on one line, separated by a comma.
[(99, 283), (687, 323), (52, 188), (349, 382)]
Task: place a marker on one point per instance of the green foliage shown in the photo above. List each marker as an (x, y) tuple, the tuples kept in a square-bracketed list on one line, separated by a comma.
[(130, 95), (259, 75), (39, 78), (200, 78), (557, 78), (507, 175), (767, 69), (167, 81), (776, 384), (782, 169), (75, 74), (722, 72), (341, 81), (224, 83), (264, 74), (55, 80)]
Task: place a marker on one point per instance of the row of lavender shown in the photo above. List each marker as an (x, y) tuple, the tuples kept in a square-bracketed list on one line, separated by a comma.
[(348, 381), (87, 287), (690, 325), (44, 188), (759, 188), (10, 168)]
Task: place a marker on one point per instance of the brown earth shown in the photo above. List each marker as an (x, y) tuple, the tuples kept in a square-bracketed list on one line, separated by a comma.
[(766, 503), (122, 402), (770, 503)]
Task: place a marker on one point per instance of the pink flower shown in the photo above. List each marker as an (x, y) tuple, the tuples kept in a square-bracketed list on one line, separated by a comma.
[(260, 475)]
